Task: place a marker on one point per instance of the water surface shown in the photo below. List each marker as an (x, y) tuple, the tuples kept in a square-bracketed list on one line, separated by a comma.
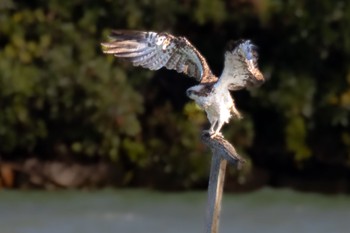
[(142, 211)]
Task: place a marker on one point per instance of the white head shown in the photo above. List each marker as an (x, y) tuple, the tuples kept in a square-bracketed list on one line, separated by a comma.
[(198, 92)]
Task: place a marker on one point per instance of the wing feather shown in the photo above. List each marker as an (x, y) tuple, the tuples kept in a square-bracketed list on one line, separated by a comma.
[(241, 66), (156, 50), (141, 59), (174, 59), (191, 69)]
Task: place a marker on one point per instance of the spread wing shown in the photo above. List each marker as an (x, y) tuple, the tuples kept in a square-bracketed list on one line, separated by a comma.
[(156, 50), (241, 66)]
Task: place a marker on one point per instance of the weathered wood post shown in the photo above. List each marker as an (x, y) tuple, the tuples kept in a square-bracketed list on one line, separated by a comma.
[(223, 152)]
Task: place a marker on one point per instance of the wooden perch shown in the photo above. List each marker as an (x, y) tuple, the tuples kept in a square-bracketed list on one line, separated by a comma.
[(222, 151), (221, 147)]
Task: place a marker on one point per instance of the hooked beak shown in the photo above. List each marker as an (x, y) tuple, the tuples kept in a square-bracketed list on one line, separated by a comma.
[(189, 93)]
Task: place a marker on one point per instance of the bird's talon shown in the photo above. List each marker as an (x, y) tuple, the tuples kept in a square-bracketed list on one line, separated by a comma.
[(216, 134)]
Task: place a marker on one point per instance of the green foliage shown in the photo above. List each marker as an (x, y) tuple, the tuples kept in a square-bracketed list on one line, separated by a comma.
[(59, 94), (61, 98), (208, 10)]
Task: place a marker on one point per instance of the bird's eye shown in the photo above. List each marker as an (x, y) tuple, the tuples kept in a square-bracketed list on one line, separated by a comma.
[(189, 92)]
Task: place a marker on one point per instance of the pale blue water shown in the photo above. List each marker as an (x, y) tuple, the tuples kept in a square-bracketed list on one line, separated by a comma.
[(140, 211)]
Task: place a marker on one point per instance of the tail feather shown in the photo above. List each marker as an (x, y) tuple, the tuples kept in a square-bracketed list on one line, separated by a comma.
[(236, 113)]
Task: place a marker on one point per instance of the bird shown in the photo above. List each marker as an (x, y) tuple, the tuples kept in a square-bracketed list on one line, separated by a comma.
[(153, 50)]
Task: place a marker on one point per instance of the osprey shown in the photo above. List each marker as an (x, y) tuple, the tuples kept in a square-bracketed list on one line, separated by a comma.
[(156, 50)]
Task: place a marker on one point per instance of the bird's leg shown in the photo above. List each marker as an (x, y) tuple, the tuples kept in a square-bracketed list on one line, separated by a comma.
[(217, 132), (210, 131), (212, 126)]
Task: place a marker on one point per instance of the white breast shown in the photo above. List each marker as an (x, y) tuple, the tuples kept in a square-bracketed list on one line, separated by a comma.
[(219, 106)]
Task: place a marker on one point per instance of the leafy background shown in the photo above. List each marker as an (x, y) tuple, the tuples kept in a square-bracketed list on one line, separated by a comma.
[(61, 99)]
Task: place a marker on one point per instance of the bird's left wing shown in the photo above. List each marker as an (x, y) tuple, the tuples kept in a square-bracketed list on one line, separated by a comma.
[(156, 50), (241, 66)]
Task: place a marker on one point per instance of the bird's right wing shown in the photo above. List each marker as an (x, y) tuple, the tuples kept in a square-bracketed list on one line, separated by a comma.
[(156, 50), (241, 66)]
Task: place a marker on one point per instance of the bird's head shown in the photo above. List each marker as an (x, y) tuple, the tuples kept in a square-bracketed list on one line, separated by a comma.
[(197, 91)]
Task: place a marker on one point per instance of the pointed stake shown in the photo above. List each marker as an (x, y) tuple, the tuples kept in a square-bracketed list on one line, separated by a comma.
[(222, 151), (215, 189)]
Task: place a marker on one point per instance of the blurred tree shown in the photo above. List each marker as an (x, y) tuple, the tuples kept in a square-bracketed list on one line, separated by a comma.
[(61, 98)]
